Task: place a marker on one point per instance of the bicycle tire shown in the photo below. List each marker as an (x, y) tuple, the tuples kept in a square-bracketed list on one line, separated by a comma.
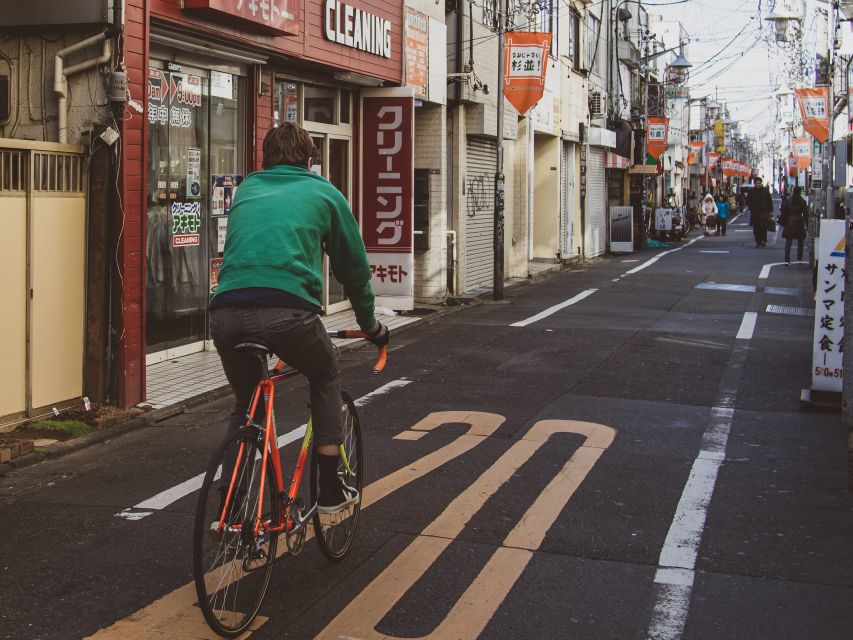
[(231, 570), (335, 533)]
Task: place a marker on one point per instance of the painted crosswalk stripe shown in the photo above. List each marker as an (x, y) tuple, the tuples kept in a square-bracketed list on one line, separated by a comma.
[(173, 494), (747, 326), (552, 310)]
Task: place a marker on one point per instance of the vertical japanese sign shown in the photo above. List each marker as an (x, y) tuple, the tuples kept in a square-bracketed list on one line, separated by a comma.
[(525, 67), (803, 152), (656, 134), (417, 52), (387, 195), (814, 108), (186, 221), (828, 346)]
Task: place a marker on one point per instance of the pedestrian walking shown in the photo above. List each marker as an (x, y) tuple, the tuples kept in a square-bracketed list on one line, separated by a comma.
[(709, 214), (760, 207), (722, 213), (793, 221)]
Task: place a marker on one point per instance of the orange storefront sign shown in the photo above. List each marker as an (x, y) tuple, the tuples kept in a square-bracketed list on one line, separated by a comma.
[(525, 67), (695, 152), (803, 152), (814, 108), (656, 135), (713, 159)]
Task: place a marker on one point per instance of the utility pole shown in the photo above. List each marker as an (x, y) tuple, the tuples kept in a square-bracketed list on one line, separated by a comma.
[(829, 175), (498, 225)]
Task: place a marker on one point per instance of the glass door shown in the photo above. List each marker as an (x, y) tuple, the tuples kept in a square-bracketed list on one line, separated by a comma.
[(332, 161), (196, 161), (176, 248)]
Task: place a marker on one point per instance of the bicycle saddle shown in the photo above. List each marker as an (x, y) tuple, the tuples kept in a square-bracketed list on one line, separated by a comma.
[(254, 345)]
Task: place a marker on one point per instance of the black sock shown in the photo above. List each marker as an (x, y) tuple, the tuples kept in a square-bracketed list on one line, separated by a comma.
[(328, 472)]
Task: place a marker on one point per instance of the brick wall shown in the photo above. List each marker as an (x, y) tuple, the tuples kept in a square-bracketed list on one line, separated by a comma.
[(130, 215)]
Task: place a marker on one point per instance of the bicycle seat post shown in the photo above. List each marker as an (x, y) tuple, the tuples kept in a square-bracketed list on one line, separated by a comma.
[(260, 351)]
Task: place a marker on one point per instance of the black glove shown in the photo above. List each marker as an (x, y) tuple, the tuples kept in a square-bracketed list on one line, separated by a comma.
[(378, 335)]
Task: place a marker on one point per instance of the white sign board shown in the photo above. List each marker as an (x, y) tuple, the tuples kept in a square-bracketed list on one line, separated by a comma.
[(827, 353), (663, 219)]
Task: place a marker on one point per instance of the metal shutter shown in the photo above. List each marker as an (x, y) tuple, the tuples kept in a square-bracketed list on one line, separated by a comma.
[(595, 234), (479, 209), (567, 197)]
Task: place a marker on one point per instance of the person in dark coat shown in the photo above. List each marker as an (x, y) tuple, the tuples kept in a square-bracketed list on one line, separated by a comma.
[(760, 208), (793, 221)]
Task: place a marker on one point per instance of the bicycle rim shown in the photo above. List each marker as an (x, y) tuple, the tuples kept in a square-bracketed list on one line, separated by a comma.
[(335, 532), (231, 565)]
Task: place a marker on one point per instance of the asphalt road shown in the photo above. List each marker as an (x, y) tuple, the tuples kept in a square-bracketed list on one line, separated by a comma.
[(636, 470)]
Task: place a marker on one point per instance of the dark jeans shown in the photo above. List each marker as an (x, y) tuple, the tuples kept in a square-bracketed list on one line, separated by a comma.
[(297, 337), (722, 223), (788, 243)]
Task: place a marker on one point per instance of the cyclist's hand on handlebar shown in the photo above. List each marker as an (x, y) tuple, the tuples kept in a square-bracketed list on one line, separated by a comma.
[(378, 335)]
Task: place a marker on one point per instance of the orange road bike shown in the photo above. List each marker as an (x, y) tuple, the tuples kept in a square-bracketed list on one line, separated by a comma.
[(239, 519)]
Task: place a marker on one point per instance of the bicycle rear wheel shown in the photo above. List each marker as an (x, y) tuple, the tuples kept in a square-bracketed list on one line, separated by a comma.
[(231, 565), (335, 532)]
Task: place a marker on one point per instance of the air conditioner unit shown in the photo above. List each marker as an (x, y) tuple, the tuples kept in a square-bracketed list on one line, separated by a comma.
[(597, 104)]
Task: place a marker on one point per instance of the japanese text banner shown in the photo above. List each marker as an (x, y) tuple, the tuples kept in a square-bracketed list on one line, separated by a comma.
[(387, 195), (525, 66), (803, 152), (814, 108), (828, 345), (656, 136), (696, 147)]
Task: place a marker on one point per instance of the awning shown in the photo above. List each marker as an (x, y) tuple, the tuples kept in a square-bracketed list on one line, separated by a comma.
[(647, 169), (615, 161)]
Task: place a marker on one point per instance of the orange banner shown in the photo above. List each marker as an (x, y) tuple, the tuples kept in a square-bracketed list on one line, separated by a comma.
[(713, 159), (727, 167), (792, 165), (696, 147), (803, 152), (525, 67), (656, 135), (814, 108)]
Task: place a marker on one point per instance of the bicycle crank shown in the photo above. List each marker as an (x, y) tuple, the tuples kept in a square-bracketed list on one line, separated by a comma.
[(297, 520)]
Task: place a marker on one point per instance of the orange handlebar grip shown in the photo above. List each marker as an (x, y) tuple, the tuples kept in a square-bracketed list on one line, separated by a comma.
[(380, 362)]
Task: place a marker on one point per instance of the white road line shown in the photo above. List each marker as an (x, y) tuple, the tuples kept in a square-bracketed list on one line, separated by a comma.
[(713, 251), (747, 326), (651, 261), (552, 310), (173, 494), (765, 270)]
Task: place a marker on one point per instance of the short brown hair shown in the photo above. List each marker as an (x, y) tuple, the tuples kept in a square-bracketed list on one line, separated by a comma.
[(287, 144)]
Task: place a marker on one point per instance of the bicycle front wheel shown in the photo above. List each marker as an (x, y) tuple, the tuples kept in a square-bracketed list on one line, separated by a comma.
[(233, 550), (335, 532)]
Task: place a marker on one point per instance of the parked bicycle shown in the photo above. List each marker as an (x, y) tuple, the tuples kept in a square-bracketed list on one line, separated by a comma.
[(243, 506)]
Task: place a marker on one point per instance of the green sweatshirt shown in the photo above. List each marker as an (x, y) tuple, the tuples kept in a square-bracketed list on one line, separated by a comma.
[(280, 222)]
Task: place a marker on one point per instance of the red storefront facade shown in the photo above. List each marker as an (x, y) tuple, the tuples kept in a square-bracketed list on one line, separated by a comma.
[(207, 79)]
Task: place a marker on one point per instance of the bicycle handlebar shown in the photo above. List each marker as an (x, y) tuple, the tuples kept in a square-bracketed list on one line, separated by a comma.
[(349, 334)]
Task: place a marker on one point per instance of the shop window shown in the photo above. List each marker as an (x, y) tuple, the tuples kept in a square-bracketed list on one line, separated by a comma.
[(320, 104), (303, 103)]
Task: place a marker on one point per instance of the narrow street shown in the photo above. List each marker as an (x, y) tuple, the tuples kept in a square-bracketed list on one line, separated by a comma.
[(618, 451)]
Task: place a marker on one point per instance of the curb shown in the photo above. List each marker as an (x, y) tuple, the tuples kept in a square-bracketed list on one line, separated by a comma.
[(151, 418)]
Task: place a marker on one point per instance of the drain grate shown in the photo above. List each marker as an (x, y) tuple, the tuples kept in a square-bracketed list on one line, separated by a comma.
[(790, 311)]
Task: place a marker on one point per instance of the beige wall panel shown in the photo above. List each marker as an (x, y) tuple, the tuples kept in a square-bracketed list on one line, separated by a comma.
[(58, 298), (13, 320), (546, 198)]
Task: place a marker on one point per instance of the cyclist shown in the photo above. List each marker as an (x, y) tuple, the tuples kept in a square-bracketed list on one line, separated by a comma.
[(282, 220)]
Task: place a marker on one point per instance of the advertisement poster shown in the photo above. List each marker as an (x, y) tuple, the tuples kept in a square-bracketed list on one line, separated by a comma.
[(193, 173), (656, 137), (215, 266), (186, 221), (417, 52), (221, 229), (814, 109), (803, 152), (828, 346), (222, 192)]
